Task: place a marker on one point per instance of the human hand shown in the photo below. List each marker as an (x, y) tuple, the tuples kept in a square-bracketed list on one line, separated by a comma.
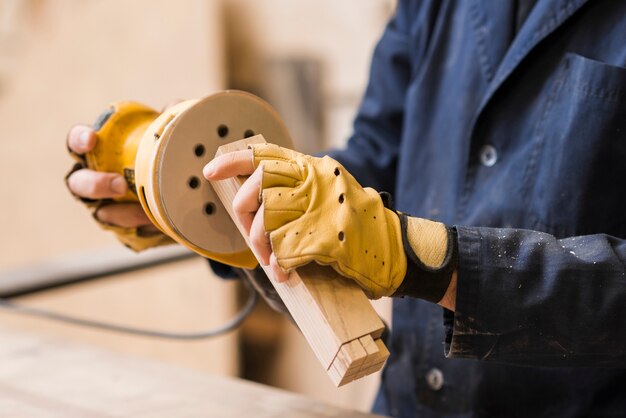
[(107, 194), (92, 186), (297, 209), (312, 209)]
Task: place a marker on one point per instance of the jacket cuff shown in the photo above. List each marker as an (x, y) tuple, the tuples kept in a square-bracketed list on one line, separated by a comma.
[(463, 336)]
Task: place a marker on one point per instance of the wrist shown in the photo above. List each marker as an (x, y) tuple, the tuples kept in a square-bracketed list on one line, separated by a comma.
[(448, 300)]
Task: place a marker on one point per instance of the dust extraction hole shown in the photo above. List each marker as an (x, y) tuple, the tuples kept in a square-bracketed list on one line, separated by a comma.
[(248, 133), (193, 182), (209, 208), (222, 131), (199, 150)]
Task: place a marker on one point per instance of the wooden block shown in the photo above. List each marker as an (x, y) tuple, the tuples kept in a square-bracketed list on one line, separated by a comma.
[(375, 361), (375, 348), (369, 345), (330, 310), (369, 356), (348, 363), (352, 354)]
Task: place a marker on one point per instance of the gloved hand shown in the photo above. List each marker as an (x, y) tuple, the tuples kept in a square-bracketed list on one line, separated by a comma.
[(97, 189), (314, 210)]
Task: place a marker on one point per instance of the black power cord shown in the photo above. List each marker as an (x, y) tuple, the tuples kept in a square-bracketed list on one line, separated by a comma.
[(153, 333)]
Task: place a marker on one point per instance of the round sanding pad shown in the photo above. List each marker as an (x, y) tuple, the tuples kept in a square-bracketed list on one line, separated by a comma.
[(179, 144)]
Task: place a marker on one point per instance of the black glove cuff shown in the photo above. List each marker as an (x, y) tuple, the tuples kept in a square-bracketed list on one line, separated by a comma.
[(387, 200), (422, 281)]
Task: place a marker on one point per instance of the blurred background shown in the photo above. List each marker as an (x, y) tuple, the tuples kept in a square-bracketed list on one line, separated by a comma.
[(62, 61)]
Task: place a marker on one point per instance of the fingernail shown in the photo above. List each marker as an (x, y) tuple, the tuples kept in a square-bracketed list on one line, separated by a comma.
[(118, 185), (83, 139), (97, 217), (209, 169)]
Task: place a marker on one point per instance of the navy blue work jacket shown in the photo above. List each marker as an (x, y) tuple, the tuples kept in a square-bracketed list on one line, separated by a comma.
[(518, 137)]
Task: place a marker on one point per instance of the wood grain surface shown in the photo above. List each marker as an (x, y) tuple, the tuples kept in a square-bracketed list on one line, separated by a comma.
[(46, 377)]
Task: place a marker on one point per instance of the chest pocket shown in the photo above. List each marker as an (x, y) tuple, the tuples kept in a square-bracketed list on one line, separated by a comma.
[(580, 152)]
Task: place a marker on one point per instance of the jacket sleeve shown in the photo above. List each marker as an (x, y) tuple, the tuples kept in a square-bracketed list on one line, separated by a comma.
[(372, 150), (527, 298)]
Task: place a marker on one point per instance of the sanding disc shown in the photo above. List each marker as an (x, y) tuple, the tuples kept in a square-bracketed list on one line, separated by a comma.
[(181, 196)]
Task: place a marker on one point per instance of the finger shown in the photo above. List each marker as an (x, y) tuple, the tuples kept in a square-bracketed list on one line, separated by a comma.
[(280, 174), (237, 163), (126, 215), (96, 185), (81, 139), (246, 201), (281, 206), (279, 274), (273, 152), (259, 240)]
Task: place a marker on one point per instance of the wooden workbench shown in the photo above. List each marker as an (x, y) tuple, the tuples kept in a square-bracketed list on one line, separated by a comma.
[(44, 376)]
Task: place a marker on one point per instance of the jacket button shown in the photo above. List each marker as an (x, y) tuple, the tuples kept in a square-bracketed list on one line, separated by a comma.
[(488, 155), (434, 378)]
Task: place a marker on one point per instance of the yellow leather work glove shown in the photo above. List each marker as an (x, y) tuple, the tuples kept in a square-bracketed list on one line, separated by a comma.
[(314, 210)]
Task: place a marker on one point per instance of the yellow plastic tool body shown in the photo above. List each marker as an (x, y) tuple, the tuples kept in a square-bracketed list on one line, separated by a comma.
[(119, 130), (135, 141)]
